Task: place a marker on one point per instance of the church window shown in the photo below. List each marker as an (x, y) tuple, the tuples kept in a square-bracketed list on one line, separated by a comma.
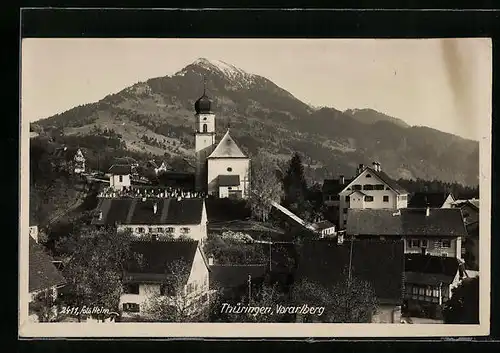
[(205, 128), (229, 169), (205, 118)]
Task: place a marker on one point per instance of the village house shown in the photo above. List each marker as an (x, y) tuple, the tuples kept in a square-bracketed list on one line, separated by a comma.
[(436, 231), (155, 218), (324, 228), (44, 280), (222, 169), (431, 199), (175, 271), (429, 281), (371, 188), (71, 158), (119, 176), (380, 263)]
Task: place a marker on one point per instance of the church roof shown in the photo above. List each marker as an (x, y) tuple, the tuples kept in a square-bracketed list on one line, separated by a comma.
[(227, 148)]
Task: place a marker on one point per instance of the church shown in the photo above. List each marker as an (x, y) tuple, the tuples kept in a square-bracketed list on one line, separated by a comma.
[(222, 170)]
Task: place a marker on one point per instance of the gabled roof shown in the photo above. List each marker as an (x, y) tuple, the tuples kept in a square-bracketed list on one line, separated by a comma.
[(323, 225), (120, 169), (379, 262), (357, 192), (333, 186), (386, 179), (228, 180), (230, 276), (136, 211), (431, 199), (446, 222), (158, 258), (42, 272), (227, 148), (430, 270)]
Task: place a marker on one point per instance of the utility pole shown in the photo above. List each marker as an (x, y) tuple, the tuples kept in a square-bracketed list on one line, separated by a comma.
[(270, 252), (249, 288), (350, 261)]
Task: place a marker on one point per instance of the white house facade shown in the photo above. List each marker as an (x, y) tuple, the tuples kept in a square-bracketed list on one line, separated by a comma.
[(371, 189), (119, 176)]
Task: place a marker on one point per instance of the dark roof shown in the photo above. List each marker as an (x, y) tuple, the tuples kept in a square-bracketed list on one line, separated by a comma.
[(120, 169), (379, 262), (137, 211), (67, 153), (387, 180), (431, 270), (323, 225), (158, 259), (42, 272), (228, 180), (230, 276), (203, 105), (409, 222), (333, 186), (424, 199)]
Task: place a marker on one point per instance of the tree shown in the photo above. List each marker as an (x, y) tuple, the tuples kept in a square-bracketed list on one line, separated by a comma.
[(95, 267), (45, 306), (463, 306), (349, 301), (294, 182), (265, 186), (174, 303)]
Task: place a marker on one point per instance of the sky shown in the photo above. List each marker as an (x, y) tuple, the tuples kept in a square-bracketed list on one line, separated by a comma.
[(441, 83)]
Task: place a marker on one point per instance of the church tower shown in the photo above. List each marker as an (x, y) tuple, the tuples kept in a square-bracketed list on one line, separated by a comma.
[(204, 138)]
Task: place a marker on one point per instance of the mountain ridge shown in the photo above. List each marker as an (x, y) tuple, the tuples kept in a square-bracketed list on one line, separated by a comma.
[(264, 116)]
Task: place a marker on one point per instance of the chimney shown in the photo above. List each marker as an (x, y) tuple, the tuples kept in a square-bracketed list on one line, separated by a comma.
[(155, 208), (375, 166), (342, 180), (360, 168), (379, 167), (100, 215), (210, 261), (427, 211)]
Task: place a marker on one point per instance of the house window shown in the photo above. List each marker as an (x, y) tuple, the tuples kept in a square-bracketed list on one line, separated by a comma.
[(356, 187), (386, 198), (444, 254), (414, 290), (378, 187), (154, 237), (185, 230), (347, 199), (120, 178), (403, 198), (131, 289), (345, 221), (205, 129), (367, 187), (446, 243), (159, 229), (229, 169), (435, 292), (150, 229), (140, 229), (169, 229), (131, 307), (414, 243), (421, 291), (368, 198), (229, 187), (368, 176), (167, 289), (345, 210), (423, 243)]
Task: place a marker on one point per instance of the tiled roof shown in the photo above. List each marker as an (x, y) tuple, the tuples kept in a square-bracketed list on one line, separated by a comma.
[(333, 186), (384, 178), (427, 269), (42, 272), (227, 148), (230, 276), (228, 180), (379, 262), (406, 222), (120, 169), (424, 199), (137, 211), (157, 259)]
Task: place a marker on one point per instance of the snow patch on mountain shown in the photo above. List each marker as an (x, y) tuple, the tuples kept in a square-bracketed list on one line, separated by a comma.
[(231, 73)]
